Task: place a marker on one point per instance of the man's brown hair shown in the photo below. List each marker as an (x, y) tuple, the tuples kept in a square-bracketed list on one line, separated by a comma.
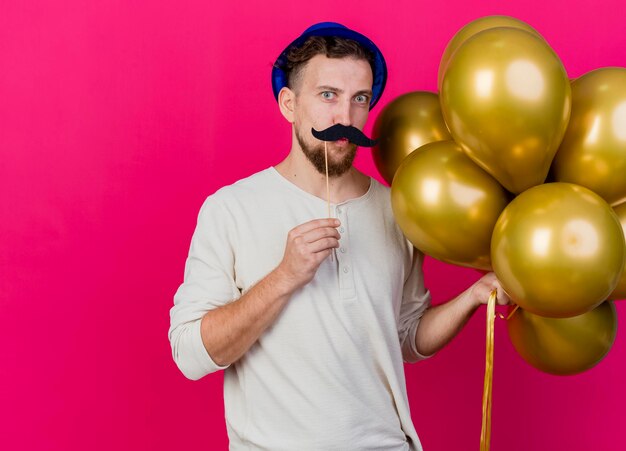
[(330, 46)]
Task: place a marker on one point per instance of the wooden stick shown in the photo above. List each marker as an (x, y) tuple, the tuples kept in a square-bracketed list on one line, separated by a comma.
[(332, 252), (327, 184)]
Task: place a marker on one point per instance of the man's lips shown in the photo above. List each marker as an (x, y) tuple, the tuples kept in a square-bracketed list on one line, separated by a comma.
[(341, 143)]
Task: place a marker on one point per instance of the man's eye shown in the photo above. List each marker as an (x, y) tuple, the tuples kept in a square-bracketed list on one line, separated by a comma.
[(361, 99), (328, 95)]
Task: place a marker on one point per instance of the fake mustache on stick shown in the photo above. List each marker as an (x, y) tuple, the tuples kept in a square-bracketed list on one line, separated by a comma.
[(339, 131)]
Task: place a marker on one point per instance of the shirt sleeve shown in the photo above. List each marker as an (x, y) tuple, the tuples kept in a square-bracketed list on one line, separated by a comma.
[(209, 282), (415, 300)]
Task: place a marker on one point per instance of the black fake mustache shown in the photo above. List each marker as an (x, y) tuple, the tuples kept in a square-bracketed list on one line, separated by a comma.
[(338, 131)]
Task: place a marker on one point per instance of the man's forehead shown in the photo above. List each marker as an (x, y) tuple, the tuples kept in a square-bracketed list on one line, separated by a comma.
[(323, 71)]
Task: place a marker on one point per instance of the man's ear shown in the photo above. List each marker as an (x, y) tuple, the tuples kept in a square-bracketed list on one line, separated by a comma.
[(286, 102)]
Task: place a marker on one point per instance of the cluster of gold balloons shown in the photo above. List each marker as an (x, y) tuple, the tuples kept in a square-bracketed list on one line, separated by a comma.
[(514, 168)]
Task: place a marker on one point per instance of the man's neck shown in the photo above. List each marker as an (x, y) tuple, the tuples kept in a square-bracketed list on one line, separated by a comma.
[(300, 171)]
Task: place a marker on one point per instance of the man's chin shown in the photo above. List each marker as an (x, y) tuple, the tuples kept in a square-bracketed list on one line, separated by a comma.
[(341, 148), (335, 168)]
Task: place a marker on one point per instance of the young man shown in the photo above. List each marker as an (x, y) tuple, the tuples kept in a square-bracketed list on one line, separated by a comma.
[(312, 343)]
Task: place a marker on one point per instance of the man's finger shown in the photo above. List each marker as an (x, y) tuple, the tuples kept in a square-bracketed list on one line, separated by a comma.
[(314, 224), (323, 244), (319, 233)]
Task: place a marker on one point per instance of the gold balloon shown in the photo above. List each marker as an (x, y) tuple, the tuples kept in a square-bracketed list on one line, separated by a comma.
[(408, 122), (593, 151), (558, 250), (446, 205), (620, 290), (476, 26), (564, 346), (506, 99)]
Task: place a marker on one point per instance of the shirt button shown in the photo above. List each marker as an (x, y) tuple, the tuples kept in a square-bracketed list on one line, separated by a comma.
[(339, 210), (345, 269), (343, 250), (341, 230)]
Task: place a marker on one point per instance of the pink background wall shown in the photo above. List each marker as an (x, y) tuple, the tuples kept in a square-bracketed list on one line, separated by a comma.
[(118, 118)]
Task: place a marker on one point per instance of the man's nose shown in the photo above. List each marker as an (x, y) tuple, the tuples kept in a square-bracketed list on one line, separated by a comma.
[(343, 113)]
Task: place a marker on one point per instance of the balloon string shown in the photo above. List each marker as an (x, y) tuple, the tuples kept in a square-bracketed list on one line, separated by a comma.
[(485, 433), (332, 255)]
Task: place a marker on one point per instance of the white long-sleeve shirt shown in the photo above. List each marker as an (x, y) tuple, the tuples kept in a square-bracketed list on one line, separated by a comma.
[(328, 374)]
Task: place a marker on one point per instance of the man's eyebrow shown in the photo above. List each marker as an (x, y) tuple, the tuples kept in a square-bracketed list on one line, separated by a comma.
[(329, 88), (367, 92)]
